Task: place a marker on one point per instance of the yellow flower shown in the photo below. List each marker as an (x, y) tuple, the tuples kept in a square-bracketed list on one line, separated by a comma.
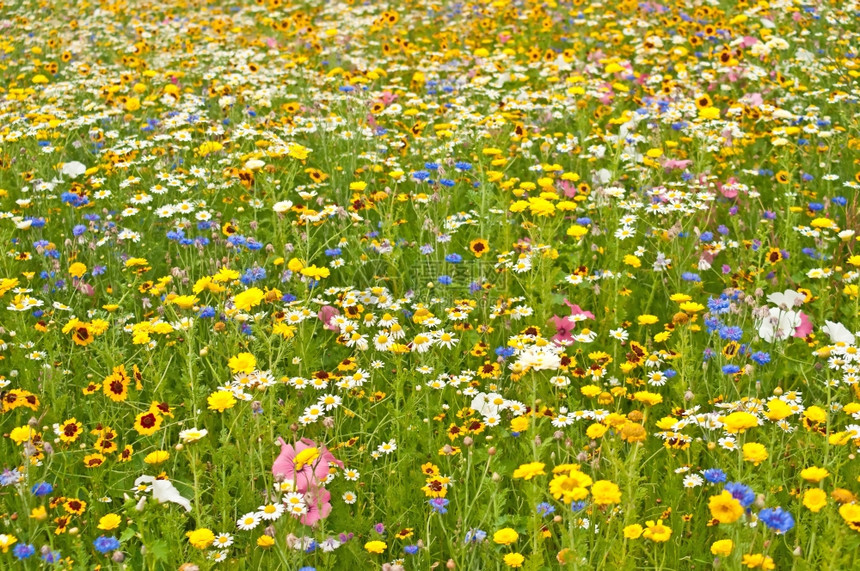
[(221, 401), (723, 547), (777, 410), (505, 536), (570, 487), (242, 363), (692, 307), (314, 272), (77, 270), (200, 538), (295, 265), (39, 513), (753, 561), (514, 559), (596, 431), (209, 147), (577, 231), (249, 298), (709, 113), (633, 531), (647, 398), (519, 423), (739, 421), (109, 522), (814, 474), (375, 546), (157, 457), (725, 508), (530, 470), (6, 541), (184, 301), (851, 514), (132, 104), (632, 261), (605, 492), (22, 434), (265, 541), (657, 531), (815, 499), (755, 453), (646, 319)]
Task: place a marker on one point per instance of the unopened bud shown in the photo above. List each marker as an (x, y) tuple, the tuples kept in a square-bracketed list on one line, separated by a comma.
[(492, 451), (117, 557), (468, 441), (451, 564)]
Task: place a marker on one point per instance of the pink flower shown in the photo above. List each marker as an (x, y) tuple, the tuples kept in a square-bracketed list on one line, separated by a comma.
[(805, 327), (728, 190), (576, 310), (306, 463), (563, 328), (326, 314), (672, 164), (319, 506), (565, 325)]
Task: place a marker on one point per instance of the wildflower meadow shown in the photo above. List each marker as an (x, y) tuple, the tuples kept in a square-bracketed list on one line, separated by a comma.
[(482, 285)]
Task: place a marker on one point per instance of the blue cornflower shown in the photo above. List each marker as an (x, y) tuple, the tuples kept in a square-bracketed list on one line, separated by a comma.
[(760, 357), (706, 236), (718, 306), (79, 229), (41, 489), (731, 332), (446, 182), (504, 352), (713, 324), (731, 369), (104, 544), (461, 166), (741, 493), (776, 519), (206, 311), (426, 249), (439, 505), (252, 275), (333, 252), (410, 549), (475, 536), (690, 277), (445, 280), (453, 258), (23, 551), (714, 476), (421, 175), (578, 506), (51, 556), (545, 508)]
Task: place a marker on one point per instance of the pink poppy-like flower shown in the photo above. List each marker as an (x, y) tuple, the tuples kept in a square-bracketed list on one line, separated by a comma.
[(326, 314), (805, 327), (319, 506), (304, 463)]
